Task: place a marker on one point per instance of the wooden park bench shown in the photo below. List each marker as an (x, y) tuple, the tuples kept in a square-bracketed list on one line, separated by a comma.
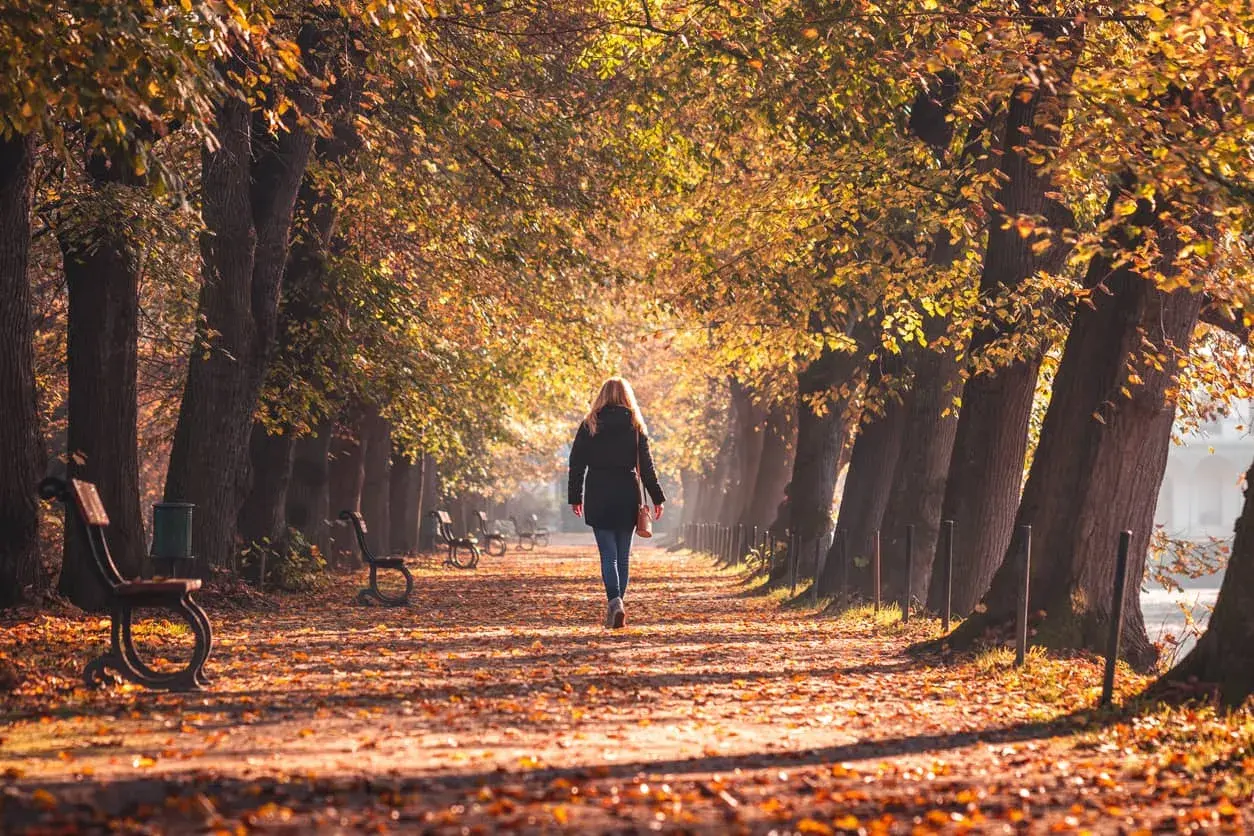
[(539, 532), (456, 545), (365, 594), (531, 536), (174, 595), (494, 541)]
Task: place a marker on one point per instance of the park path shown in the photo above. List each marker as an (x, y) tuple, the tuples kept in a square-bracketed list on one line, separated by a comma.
[(497, 701)]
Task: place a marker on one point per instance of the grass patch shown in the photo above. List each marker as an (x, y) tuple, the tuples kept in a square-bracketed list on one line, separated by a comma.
[(1198, 742), (1053, 684), (864, 614)]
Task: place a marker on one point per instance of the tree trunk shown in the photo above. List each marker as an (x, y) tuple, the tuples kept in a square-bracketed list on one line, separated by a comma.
[(405, 488), (1100, 461), (690, 486), (308, 500), (1223, 658), (430, 501), (347, 472), (821, 439), (986, 467), (918, 488), (779, 447), (714, 484), (264, 513), (102, 266), (249, 186), (751, 460), (919, 479), (867, 484), (745, 435), (376, 488), (20, 449)]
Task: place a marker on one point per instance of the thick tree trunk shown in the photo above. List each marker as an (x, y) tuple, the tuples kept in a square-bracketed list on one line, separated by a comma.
[(751, 461), (745, 435), (430, 502), (986, 467), (376, 489), (867, 484), (405, 488), (821, 439), (919, 479), (264, 512), (347, 472), (102, 272), (714, 484), (249, 183), (779, 447), (308, 500), (985, 473), (690, 486), (20, 449), (1100, 461), (918, 488), (1223, 658)]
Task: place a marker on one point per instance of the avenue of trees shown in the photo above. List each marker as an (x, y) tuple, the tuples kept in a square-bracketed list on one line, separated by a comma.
[(281, 259)]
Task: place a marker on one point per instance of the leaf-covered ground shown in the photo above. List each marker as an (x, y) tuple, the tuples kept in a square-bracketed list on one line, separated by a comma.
[(498, 702)]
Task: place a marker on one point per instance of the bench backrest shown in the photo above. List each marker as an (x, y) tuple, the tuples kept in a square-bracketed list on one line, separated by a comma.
[(444, 526), (83, 501), (358, 522)]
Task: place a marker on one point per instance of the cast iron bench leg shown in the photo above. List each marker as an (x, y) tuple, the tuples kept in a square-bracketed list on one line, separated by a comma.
[(373, 591), (124, 659), (201, 616)]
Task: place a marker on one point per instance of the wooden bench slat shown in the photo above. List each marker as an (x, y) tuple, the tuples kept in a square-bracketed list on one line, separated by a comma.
[(173, 585), (88, 500)]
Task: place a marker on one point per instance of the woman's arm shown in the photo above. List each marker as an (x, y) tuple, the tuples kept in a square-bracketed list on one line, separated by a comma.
[(578, 466), (647, 474)]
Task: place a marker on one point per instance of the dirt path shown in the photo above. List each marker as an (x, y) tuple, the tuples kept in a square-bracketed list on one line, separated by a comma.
[(498, 702)]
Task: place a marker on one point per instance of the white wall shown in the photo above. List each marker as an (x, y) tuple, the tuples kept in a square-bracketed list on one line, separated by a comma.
[(1201, 494)]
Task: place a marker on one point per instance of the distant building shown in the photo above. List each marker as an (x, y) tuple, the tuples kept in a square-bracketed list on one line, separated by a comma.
[(1202, 490)]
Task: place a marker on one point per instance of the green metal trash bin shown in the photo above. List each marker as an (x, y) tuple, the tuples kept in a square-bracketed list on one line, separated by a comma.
[(172, 534)]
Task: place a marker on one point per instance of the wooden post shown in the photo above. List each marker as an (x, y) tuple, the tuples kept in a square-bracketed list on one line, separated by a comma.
[(844, 567), (905, 599), (1021, 609), (947, 612), (794, 544), (820, 560), (875, 559), (1116, 618)]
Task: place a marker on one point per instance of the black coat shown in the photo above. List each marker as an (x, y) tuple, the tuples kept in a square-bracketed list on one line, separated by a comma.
[(611, 493)]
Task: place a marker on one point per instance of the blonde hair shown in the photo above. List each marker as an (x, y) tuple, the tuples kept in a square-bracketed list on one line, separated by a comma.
[(616, 392)]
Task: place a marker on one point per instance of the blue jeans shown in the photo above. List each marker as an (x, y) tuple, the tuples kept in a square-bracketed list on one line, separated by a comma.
[(615, 548)]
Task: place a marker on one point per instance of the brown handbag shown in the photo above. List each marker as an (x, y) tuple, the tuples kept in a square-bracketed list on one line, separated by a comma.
[(644, 520)]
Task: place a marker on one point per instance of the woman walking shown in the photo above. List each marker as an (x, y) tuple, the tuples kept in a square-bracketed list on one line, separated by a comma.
[(612, 448)]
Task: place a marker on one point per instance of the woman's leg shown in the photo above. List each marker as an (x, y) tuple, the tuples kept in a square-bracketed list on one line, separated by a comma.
[(623, 543), (607, 545)]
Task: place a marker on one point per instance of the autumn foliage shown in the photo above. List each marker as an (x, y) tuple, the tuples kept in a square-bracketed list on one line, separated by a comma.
[(873, 267)]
